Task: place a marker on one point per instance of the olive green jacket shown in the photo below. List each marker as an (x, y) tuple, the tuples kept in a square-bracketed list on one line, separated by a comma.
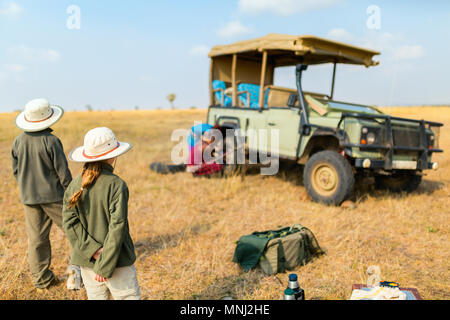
[(40, 167), (99, 220)]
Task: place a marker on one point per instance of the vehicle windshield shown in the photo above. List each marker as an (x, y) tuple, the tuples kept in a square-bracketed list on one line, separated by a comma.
[(350, 107)]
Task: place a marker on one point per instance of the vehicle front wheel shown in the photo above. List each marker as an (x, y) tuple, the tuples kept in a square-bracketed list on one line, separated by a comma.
[(407, 181), (328, 178)]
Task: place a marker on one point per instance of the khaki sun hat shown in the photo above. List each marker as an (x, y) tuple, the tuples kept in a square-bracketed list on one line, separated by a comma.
[(99, 144), (38, 115)]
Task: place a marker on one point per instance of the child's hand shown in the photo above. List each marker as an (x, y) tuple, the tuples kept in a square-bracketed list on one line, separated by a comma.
[(97, 254), (99, 278)]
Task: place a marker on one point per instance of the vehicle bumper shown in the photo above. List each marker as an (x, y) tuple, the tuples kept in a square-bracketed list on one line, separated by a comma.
[(396, 164)]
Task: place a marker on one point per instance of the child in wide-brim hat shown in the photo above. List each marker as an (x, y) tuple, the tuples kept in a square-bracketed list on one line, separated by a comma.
[(95, 218), (40, 168)]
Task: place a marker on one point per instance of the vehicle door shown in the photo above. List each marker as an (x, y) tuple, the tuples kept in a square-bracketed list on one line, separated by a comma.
[(286, 121)]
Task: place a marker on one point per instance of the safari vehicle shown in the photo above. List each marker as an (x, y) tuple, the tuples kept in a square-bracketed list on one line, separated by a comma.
[(334, 140)]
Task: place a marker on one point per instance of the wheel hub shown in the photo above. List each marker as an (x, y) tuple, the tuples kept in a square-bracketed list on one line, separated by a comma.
[(325, 179)]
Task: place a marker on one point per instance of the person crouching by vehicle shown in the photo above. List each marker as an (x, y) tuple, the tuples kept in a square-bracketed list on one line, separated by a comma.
[(198, 141), (95, 218), (40, 168)]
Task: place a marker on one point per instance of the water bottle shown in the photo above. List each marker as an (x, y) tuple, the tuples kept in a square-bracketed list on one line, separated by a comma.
[(299, 293), (289, 294)]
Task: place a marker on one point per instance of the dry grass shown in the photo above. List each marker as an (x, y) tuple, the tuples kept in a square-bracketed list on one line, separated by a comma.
[(185, 229)]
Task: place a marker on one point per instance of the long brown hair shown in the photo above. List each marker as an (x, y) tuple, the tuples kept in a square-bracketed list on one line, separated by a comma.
[(90, 172)]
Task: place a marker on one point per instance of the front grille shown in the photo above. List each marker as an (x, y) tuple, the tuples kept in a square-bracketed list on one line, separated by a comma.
[(406, 137), (402, 136)]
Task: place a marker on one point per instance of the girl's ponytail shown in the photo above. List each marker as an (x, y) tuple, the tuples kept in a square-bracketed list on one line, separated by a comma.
[(90, 173)]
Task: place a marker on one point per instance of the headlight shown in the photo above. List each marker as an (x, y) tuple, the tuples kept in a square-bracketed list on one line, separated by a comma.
[(431, 141), (371, 138), (370, 135)]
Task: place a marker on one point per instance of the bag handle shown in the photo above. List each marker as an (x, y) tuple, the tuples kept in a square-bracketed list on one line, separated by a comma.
[(296, 226)]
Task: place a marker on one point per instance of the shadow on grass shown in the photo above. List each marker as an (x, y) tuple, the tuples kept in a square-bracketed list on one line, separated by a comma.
[(234, 287), (366, 186), (288, 171), (159, 243), (293, 173), (429, 187)]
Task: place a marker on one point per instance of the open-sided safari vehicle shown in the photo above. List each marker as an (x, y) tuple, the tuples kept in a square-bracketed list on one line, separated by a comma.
[(334, 140)]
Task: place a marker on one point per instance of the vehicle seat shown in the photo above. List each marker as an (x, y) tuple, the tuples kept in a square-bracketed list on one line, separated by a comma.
[(219, 88), (251, 91), (279, 96)]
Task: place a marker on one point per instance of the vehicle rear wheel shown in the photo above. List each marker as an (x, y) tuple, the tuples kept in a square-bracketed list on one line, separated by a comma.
[(407, 181), (328, 178), (231, 167)]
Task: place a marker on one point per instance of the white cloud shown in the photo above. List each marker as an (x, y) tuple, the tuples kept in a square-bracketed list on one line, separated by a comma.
[(339, 34), (12, 72), (409, 52), (199, 51), (14, 68), (384, 41), (283, 7), (391, 46), (10, 9), (233, 29), (30, 54)]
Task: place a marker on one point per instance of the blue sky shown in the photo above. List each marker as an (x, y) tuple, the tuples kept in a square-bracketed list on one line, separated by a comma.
[(134, 53)]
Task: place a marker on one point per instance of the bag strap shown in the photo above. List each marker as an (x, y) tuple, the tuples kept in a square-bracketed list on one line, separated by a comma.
[(306, 249), (281, 258)]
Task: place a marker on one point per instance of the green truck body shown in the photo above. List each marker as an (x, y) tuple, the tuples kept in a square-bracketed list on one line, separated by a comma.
[(335, 140)]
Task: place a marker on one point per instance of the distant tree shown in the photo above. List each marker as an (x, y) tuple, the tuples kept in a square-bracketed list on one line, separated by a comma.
[(171, 97), (193, 108), (89, 108), (136, 107)]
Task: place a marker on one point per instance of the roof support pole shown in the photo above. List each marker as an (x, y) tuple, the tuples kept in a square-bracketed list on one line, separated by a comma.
[(263, 80), (332, 83), (211, 93), (233, 79)]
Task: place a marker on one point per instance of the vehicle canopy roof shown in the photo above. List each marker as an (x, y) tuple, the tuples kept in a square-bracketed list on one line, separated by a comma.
[(287, 50)]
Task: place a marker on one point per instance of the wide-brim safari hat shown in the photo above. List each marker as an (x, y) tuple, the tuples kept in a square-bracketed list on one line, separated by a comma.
[(99, 144), (38, 115)]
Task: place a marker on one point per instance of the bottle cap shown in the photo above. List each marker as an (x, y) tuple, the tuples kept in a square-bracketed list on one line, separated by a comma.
[(293, 277)]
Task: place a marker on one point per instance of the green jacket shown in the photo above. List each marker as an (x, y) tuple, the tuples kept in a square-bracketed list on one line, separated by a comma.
[(99, 220), (40, 167)]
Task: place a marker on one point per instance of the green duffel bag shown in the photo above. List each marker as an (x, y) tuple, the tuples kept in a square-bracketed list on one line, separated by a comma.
[(276, 251)]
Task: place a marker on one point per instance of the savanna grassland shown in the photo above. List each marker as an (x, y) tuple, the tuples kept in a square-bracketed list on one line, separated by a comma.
[(185, 229)]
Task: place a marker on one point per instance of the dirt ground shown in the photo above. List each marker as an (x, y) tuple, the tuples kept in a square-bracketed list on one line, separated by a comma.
[(185, 229)]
